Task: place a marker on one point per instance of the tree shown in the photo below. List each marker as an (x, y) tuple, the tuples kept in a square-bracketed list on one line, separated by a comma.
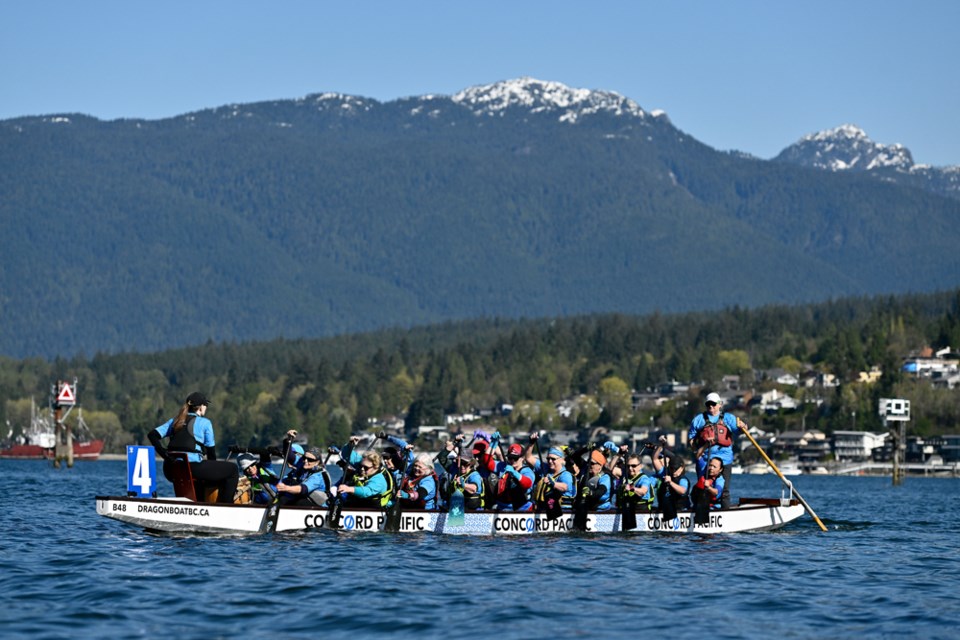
[(614, 396), (734, 361)]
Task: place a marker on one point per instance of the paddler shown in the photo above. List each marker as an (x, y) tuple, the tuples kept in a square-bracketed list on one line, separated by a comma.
[(263, 480), (638, 489), (418, 490), (597, 490), (707, 493), (372, 486), (556, 484), (516, 482), (306, 483), (466, 479), (673, 493)]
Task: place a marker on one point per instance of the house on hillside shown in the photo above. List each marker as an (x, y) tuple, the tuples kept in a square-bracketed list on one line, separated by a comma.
[(780, 376), (856, 445), (926, 363), (774, 400)]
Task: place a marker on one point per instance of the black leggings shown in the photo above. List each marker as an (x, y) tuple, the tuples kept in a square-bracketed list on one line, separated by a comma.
[(221, 473)]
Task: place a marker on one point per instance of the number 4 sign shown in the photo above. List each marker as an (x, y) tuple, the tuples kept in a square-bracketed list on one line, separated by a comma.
[(141, 471)]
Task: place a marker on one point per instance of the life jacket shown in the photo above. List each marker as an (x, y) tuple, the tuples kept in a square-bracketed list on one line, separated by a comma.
[(263, 485), (542, 492), (421, 501), (379, 500), (183, 440), (680, 502), (510, 491), (629, 499), (718, 434), (591, 493), (698, 494), (471, 501)]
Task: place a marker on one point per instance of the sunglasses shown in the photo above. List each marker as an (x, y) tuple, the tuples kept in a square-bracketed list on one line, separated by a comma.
[(464, 463), (308, 459), (552, 459), (711, 404), (513, 458), (633, 466), (366, 467)]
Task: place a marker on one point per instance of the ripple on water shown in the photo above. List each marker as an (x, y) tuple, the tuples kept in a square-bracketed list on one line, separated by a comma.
[(886, 567)]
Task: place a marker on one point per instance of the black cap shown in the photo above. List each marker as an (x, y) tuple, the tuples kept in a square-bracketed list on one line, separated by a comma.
[(197, 399)]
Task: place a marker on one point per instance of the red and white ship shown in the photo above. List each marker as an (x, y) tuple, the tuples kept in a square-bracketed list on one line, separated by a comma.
[(39, 440)]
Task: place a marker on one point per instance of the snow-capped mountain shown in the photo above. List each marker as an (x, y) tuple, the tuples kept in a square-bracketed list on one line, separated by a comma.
[(849, 148), (540, 96), (846, 147)]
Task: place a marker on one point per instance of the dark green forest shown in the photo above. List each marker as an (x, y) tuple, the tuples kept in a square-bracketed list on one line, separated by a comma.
[(328, 388)]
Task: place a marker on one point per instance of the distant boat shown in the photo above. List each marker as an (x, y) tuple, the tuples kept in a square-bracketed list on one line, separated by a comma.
[(788, 468), (38, 442)]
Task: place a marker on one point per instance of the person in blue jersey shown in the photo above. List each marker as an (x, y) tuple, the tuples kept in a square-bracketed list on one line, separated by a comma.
[(714, 430), (556, 484), (638, 489), (465, 478), (350, 458), (516, 482), (371, 486), (596, 491), (673, 494), (306, 483), (398, 457), (262, 479), (418, 489), (190, 432), (707, 493)]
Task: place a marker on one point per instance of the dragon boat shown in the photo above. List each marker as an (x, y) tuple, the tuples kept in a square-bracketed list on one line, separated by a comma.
[(183, 516)]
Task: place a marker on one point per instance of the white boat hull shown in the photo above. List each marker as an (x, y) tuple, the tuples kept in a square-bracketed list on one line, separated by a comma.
[(178, 515)]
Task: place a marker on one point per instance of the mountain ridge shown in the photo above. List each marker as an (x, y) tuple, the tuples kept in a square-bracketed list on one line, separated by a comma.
[(332, 214)]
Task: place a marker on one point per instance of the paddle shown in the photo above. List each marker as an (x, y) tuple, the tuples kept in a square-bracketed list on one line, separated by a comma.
[(746, 431), (393, 512), (456, 507), (455, 517), (580, 504), (628, 510), (273, 512), (333, 515)]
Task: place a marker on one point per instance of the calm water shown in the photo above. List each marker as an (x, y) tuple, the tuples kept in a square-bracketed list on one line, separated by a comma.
[(889, 566)]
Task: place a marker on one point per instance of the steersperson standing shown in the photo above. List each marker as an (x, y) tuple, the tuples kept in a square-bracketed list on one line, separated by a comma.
[(715, 429), (192, 433)]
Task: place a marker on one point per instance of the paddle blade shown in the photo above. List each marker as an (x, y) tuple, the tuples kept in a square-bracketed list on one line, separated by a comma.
[(333, 516), (580, 516), (392, 523), (455, 515), (554, 511), (628, 518)]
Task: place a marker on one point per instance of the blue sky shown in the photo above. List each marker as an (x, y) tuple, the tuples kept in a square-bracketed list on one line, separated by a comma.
[(748, 75)]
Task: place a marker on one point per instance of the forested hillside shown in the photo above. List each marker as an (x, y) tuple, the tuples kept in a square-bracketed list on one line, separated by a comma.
[(335, 214), (329, 387)]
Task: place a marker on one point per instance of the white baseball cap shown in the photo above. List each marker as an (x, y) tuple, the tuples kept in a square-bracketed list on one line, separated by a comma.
[(713, 397)]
